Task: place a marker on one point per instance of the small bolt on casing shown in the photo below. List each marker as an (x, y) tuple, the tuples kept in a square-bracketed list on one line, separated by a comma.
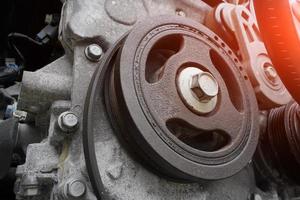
[(68, 121), (75, 189), (93, 52)]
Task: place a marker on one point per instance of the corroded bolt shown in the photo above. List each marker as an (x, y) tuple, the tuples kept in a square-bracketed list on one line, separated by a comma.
[(68, 121), (270, 73), (93, 52), (204, 86), (75, 188)]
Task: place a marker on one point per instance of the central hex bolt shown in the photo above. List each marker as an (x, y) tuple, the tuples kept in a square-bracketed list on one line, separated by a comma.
[(68, 121), (93, 52), (198, 90), (204, 86)]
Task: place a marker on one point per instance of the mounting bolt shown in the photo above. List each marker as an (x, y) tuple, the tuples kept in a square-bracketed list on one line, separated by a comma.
[(270, 72), (68, 121), (204, 86), (93, 52), (75, 188)]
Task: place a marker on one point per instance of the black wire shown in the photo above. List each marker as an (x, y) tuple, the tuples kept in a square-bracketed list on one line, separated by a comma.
[(13, 46)]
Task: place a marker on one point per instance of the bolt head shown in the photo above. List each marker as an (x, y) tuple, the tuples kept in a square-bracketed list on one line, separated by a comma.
[(76, 189), (205, 86), (68, 121), (196, 97), (93, 52), (270, 73)]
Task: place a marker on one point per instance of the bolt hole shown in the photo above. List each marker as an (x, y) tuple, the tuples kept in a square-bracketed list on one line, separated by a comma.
[(159, 54), (208, 141)]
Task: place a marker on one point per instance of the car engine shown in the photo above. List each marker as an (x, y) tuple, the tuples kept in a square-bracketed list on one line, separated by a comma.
[(150, 99)]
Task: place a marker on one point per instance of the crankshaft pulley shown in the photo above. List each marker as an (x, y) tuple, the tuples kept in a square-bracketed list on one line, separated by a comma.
[(181, 100)]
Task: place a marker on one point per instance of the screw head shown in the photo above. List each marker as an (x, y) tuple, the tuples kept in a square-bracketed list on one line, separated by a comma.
[(68, 121), (76, 188), (93, 52), (204, 86), (270, 72)]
